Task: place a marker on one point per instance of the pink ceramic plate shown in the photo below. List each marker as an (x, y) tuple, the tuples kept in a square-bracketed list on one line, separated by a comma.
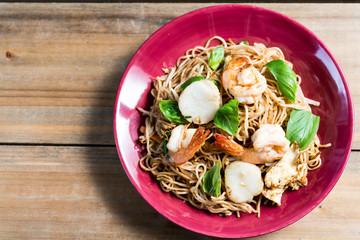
[(322, 80)]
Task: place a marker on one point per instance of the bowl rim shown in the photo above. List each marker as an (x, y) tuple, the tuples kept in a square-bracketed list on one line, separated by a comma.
[(224, 7)]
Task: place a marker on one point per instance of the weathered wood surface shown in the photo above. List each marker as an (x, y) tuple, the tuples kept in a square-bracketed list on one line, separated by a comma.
[(60, 66), (61, 63), (83, 192)]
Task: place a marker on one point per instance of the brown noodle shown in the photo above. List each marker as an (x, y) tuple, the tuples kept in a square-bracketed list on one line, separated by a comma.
[(185, 181)]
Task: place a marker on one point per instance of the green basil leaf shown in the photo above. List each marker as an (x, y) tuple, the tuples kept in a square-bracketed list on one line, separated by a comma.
[(190, 81), (244, 42), (171, 111), (216, 57), (217, 84), (212, 180), (285, 76), (302, 127), (166, 140), (227, 117)]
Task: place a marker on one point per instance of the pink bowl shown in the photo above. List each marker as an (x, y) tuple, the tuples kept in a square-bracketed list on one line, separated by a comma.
[(322, 80)]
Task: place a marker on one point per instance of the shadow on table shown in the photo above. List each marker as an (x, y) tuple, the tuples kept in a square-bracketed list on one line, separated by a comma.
[(129, 212)]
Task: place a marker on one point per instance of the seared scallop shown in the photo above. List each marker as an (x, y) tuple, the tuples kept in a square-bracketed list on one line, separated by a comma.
[(243, 181), (200, 101)]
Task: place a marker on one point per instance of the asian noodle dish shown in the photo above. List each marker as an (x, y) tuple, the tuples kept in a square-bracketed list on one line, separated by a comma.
[(230, 128)]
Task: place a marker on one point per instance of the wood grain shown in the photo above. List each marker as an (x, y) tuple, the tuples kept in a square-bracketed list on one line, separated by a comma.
[(65, 61), (60, 67), (82, 192)]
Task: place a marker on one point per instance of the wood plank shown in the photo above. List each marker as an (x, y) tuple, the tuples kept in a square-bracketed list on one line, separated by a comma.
[(65, 125), (66, 59), (49, 192)]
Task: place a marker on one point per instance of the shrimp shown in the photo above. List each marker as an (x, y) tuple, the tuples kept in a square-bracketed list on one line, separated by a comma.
[(244, 84), (270, 136), (184, 154), (269, 144)]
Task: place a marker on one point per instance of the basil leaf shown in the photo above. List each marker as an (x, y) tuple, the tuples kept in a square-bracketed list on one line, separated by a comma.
[(216, 57), (217, 84), (166, 140), (244, 42), (190, 81), (285, 77), (171, 111), (212, 180), (227, 117), (302, 127)]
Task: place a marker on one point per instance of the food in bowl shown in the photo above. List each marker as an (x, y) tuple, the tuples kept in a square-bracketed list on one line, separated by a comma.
[(230, 128)]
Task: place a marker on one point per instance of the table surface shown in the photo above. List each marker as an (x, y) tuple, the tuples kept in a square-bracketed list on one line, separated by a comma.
[(60, 67)]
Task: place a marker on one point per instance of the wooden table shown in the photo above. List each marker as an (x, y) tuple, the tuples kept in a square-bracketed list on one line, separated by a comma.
[(60, 67)]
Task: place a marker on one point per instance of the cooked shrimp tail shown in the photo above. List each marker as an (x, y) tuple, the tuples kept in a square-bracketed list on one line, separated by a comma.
[(259, 157), (263, 150), (184, 154), (231, 71), (229, 146)]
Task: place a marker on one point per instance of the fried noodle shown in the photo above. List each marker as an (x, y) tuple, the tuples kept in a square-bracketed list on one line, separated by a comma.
[(185, 181)]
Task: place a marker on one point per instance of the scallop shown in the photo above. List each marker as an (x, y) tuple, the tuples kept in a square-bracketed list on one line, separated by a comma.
[(243, 181), (200, 101), (180, 137)]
